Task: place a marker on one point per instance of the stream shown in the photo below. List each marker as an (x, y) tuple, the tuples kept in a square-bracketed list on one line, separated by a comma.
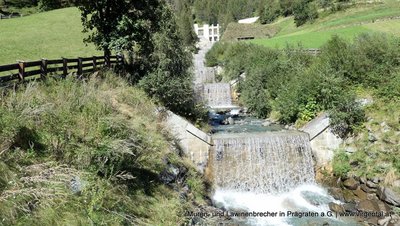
[(263, 174)]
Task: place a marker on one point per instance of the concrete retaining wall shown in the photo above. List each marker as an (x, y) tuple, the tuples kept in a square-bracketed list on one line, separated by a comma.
[(323, 141), (194, 142)]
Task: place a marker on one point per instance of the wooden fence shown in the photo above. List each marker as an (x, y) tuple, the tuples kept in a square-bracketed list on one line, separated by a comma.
[(2, 17), (41, 68)]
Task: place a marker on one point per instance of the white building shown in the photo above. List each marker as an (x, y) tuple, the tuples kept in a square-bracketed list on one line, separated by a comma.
[(207, 32)]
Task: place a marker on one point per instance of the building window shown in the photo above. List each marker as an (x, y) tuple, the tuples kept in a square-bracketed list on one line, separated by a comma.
[(215, 31), (210, 31), (215, 38), (201, 32), (210, 39)]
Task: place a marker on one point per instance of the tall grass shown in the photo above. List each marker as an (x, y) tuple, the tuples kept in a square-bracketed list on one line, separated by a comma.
[(84, 152)]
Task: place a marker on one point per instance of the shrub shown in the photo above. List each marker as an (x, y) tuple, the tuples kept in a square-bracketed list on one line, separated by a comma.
[(346, 116), (304, 11), (341, 164)]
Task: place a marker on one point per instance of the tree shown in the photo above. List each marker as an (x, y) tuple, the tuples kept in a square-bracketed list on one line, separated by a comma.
[(303, 11), (270, 12), (120, 24)]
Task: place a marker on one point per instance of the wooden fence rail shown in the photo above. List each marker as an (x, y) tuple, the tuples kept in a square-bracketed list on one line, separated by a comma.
[(41, 68)]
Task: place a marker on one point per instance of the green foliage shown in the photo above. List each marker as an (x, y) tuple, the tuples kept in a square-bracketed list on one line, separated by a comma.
[(101, 132), (340, 164), (269, 12), (304, 11)]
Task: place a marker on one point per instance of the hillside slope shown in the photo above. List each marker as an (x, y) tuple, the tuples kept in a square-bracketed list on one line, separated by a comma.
[(382, 17), (90, 152), (52, 34)]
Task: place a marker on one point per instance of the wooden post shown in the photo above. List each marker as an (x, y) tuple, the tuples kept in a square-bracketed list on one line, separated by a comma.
[(79, 66), (21, 70), (65, 67), (43, 69), (107, 60), (94, 63)]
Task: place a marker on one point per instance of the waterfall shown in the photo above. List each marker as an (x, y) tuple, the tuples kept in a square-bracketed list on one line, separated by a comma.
[(217, 94), (271, 162)]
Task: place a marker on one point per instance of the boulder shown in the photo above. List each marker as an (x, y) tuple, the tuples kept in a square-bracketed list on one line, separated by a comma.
[(336, 193), (371, 184), (384, 221), (337, 208), (371, 137), (366, 189), (389, 196), (351, 183), (367, 206), (396, 184), (360, 194)]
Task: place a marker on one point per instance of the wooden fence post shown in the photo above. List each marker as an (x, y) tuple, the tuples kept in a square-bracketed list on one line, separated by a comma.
[(65, 67), (21, 70), (94, 63), (107, 60), (79, 66), (43, 68)]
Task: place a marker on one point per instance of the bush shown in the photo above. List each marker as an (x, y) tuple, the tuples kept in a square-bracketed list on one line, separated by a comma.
[(304, 11), (340, 164), (346, 116)]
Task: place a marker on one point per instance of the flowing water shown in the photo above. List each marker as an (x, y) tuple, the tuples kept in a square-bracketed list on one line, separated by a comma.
[(269, 163), (260, 169), (217, 95)]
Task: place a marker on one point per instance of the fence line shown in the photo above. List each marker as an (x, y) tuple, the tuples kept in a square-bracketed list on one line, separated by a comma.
[(3, 17), (64, 66)]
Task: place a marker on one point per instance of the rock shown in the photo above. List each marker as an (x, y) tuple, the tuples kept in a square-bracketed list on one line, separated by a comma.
[(350, 149), (363, 180), (336, 193), (266, 123), (336, 207), (350, 207), (384, 221), (376, 180), (231, 121), (366, 189), (348, 196), (367, 206), (371, 184), (76, 185), (396, 184), (360, 194), (169, 174), (371, 137), (351, 183), (389, 196)]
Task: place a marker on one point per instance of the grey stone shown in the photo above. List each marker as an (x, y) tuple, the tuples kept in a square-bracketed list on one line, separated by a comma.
[(336, 207), (350, 149), (371, 137), (351, 183), (76, 185), (389, 196), (371, 184), (396, 184), (384, 221), (367, 206)]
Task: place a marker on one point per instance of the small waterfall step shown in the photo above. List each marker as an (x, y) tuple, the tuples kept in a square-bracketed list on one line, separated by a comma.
[(270, 162), (218, 96)]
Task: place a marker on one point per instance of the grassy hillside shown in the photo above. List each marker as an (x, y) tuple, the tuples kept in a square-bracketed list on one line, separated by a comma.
[(49, 35), (347, 24), (91, 152)]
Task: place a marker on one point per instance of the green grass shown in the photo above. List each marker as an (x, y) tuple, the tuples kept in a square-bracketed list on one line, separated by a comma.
[(52, 34), (347, 24), (102, 131), (310, 40)]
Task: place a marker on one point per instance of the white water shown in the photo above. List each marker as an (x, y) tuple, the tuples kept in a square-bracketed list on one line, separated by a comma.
[(303, 198), (218, 95), (271, 162)]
